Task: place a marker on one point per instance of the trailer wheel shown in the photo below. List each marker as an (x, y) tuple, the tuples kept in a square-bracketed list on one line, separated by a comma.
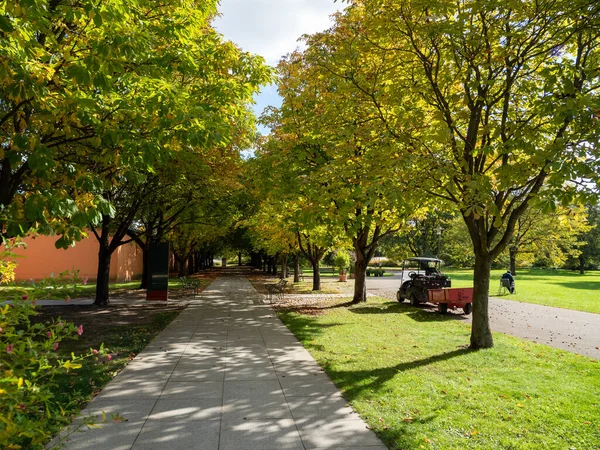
[(443, 308), (414, 300), (468, 308)]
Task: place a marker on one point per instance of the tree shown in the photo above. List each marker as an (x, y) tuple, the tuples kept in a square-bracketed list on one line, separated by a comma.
[(498, 99), (126, 199), (113, 84), (554, 235), (323, 135), (590, 250), (421, 236)]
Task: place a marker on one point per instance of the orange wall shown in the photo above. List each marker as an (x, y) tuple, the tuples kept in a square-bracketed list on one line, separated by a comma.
[(41, 258)]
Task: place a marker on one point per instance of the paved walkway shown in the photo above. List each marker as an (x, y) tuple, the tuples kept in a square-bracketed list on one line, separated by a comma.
[(225, 375)]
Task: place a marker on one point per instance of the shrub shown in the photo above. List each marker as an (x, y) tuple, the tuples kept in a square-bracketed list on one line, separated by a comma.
[(341, 261), (29, 366)]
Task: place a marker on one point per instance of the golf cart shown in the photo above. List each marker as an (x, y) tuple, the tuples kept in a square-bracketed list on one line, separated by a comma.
[(418, 276)]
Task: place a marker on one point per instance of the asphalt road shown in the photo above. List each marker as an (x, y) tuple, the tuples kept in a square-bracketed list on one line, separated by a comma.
[(574, 331)]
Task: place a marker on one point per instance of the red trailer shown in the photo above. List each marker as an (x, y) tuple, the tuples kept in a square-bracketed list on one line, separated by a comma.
[(452, 298)]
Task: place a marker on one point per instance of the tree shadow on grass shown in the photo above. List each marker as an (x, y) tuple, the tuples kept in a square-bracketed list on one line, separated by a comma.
[(354, 383), (303, 327), (584, 285), (421, 313)]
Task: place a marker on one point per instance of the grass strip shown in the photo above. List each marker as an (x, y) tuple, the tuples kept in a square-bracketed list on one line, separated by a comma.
[(558, 288), (408, 373)]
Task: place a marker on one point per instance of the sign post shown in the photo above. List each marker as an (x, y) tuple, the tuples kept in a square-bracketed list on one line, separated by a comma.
[(158, 271)]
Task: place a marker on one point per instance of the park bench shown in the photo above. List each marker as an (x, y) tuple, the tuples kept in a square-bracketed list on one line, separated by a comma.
[(276, 289), (191, 285)]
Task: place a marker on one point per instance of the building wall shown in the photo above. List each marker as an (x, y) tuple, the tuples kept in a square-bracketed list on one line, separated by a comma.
[(40, 258)]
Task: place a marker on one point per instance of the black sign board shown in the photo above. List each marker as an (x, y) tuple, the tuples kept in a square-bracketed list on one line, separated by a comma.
[(158, 271)]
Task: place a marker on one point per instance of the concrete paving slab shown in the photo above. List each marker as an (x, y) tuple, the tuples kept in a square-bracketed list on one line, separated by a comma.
[(194, 372), (122, 388), (193, 389), (336, 433), (275, 434), (293, 369), (309, 411), (281, 355), (250, 374), (109, 436), (177, 408), (179, 435), (317, 385), (256, 399), (130, 409)]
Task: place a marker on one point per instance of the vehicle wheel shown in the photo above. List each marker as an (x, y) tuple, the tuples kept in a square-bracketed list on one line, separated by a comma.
[(414, 300), (399, 297), (468, 308), (443, 308)]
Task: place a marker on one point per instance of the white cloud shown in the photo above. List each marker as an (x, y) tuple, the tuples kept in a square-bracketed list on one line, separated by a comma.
[(271, 28)]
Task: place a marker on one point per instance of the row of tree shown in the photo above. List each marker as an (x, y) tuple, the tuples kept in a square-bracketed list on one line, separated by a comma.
[(123, 118), (565, 238), (484, 109)]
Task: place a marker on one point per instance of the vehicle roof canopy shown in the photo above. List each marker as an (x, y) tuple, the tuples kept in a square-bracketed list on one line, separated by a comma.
[(423, 259)]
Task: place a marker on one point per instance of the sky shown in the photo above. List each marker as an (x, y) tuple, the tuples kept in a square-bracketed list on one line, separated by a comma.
[(271, 28)]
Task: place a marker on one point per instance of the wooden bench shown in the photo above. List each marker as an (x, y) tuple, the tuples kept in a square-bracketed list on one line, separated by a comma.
[(192, 285), (276, 289)]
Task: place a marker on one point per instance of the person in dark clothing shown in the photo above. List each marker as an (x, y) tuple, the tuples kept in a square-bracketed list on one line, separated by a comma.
[(508, 276)]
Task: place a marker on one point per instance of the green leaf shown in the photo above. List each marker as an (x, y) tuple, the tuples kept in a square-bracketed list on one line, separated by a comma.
[(6, 25)]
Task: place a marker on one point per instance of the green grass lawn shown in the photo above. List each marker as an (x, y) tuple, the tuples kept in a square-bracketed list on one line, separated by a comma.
[(409, 375), (560, 288)]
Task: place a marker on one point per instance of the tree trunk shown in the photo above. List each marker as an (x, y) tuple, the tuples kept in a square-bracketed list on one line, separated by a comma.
[(274, 266), (181, 261), (284, 267), (581, 264), (102, 279), (360, 279), (316, 276), (190, 264), (513, 260), (296, 269), (239, 258), (481, 336)]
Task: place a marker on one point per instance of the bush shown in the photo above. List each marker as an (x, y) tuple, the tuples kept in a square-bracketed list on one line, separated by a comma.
[(341, 261), (29, 411)]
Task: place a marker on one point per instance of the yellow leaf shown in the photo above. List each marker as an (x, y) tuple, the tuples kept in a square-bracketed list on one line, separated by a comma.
[(20, 383)]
